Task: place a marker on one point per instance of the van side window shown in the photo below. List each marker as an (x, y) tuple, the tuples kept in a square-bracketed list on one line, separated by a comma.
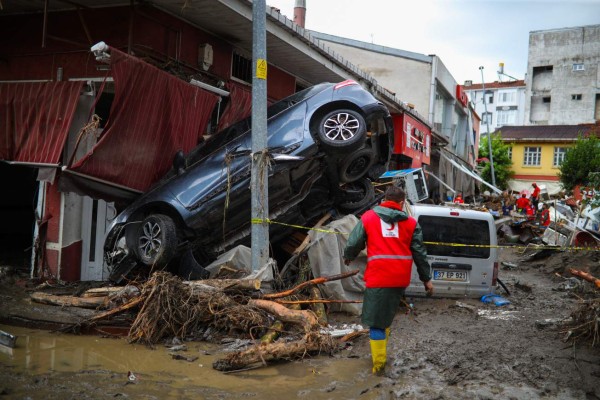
[(455, 230)]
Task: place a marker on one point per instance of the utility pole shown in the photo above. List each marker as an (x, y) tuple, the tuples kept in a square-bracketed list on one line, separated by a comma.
[(489, 134), (260, 157)]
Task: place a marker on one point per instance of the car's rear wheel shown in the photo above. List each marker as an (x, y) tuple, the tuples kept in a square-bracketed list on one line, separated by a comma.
[(342, 130), (357, 195), (156, 240), (356, 165)]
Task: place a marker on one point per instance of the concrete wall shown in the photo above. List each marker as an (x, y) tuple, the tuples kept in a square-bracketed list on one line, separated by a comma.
[(551, 74), (407, 78)]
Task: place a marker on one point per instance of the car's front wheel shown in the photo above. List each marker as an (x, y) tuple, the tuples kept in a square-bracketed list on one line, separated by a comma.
[(342, 130), (156, 240)]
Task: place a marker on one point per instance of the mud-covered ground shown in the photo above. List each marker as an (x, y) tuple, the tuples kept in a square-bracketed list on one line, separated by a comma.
[(443, 349)]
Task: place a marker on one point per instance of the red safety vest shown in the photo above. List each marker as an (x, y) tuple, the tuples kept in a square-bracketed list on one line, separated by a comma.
[(389, 259)]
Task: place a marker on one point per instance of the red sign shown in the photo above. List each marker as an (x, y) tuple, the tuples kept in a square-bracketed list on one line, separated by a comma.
[(412, 138), (461, 96)]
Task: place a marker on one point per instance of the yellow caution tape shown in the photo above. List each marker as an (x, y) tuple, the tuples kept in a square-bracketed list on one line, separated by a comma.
[(491, 246)]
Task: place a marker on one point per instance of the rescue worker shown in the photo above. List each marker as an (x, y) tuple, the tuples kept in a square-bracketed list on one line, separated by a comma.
[(545, 217), (393, 240), (522, 203), (535, 196)]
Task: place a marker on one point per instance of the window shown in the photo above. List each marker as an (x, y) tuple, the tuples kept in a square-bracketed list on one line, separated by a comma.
[(506, 97), (491, 98), (506, 117), (559, 156), (486, 118), (578, 67), (462, 230), (509, 151), (576, 96), (241, 68), (532, 156), (547, 99)]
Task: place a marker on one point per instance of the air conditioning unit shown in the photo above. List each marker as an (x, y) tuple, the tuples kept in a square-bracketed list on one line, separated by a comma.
[(412, 181)]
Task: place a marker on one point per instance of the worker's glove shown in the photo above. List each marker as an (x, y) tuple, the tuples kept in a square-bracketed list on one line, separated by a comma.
[(347, 261)]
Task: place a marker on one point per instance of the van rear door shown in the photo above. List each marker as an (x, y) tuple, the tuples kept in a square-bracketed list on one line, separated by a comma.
[(459, 252)]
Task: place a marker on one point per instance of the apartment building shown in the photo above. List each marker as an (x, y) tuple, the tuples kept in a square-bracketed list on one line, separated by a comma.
[(563, 78), (502, 103)]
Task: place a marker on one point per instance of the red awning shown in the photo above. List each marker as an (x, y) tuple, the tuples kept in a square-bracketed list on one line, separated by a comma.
[(35, 119), (239, 106), (153, 115)]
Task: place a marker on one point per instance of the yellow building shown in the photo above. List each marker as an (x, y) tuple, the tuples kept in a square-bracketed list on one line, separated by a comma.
[(537, 151)]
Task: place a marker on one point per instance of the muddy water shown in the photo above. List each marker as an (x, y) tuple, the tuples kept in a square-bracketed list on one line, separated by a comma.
[(48, 365)]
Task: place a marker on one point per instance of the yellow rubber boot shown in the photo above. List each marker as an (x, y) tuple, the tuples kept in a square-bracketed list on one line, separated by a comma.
[(379, 355)]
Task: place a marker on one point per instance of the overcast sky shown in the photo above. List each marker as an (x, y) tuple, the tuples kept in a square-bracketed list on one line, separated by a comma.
[(465, 34)]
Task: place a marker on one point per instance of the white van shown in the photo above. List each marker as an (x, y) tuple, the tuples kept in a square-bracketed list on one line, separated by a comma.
[(457, 271)]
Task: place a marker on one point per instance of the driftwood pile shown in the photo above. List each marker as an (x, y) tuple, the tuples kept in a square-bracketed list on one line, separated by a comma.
[(165, 307), (585, 323)]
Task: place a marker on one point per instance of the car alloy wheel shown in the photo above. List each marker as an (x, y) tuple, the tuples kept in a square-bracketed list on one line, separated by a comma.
[(342, 130), (157, 240)]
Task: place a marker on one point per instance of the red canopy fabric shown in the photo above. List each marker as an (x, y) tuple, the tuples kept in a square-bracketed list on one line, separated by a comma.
[(35, 119), (153, 115), (239, 106)]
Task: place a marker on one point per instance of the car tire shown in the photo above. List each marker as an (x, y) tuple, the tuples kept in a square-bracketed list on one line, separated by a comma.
[(358, 195), (156, 240), (356, 165), (342, 130)]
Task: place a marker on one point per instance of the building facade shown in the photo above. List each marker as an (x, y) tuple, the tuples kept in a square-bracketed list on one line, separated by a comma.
[(537, 152), (503, 103), (563, 76), (65, 199)]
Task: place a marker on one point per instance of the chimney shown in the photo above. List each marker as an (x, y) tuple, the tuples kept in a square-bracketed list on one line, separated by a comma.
[(300, 12)]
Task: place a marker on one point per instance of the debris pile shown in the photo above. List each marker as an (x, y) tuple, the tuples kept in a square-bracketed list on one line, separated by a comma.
[(173, 309), (275, 325), (585, 323)]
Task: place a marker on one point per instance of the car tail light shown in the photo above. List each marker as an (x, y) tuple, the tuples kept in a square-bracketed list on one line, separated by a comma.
[(455, 213), (495, 274), (348, 82)]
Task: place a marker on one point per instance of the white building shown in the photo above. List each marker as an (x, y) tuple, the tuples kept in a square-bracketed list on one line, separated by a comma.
[(503, 103), (563, 78)]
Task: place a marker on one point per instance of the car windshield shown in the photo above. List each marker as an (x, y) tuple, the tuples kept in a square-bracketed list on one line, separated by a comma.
[(461, 231)]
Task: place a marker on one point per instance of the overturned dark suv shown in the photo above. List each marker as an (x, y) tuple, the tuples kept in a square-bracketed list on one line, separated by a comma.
[(324, 143)]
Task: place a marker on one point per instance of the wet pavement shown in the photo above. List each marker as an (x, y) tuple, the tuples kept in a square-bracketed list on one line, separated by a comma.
[(48, 365)]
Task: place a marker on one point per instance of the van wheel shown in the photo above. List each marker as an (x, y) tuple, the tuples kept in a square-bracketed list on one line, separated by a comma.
[(156, 240)]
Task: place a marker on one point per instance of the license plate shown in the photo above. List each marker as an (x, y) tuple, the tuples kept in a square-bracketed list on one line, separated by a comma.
[(455, 276)]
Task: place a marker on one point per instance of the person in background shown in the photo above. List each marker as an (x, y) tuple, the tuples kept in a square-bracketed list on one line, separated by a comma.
[(522, 203), (393, 240), (507, 202), (535, 196), (459, 199), (545, 217)]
